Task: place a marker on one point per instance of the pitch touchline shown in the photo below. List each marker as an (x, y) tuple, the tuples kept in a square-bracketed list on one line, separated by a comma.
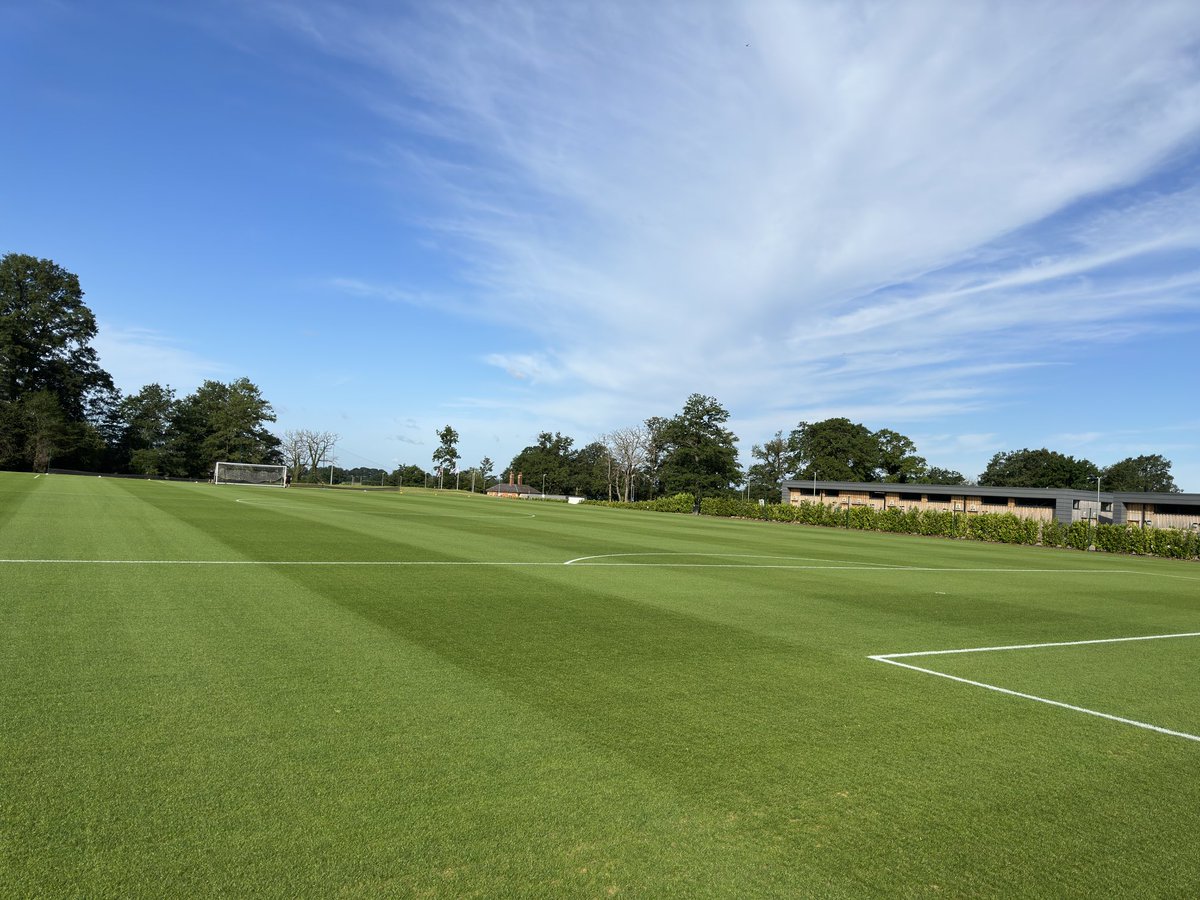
[(578, 563), (893, 659), (270, 562)]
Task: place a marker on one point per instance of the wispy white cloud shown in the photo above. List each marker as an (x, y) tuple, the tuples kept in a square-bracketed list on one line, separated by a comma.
[(136, 357), (879, 210)]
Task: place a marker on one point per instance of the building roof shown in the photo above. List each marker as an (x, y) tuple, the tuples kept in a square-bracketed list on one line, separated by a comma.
[(512, 489)]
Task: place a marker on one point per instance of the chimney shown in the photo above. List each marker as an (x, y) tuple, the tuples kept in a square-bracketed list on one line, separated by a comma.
[(520, 478), (510, 476)]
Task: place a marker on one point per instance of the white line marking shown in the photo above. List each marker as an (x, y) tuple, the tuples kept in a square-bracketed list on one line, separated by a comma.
[(268, 562), (1121, 640), (397, 511), (892, 659), (577, 563), (719, 555)]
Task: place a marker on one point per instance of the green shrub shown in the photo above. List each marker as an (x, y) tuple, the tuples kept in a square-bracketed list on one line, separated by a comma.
[(1000, 528)]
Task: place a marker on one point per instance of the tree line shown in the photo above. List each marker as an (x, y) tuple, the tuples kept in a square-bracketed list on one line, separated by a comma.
[(58, 406)]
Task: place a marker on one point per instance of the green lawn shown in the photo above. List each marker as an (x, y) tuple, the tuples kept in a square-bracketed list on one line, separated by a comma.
[(231, 691)]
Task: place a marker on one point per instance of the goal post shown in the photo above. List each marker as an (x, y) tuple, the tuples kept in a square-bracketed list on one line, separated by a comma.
[(250, 473)]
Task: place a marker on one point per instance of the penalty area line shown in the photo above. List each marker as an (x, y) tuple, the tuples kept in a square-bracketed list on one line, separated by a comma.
[(893, 659)]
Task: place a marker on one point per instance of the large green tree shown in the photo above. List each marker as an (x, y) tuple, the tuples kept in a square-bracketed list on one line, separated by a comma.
[(774, 463), (835, 450), (445, 457), (145, 430), (591, 471), (222, 422), (938, 475), (652, 463), (1140, 473), (898, 459), (409, 476), (700, 452), (486, 473), (1040, 468), (49, 372), (549, 462)]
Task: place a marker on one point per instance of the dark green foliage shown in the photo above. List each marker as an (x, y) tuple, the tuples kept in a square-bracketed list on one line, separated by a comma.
[(445, 457), (53, 393), (408, 476), (938, 475), (675, 503), (656, 452), (898, 459), (45, 336), (840, 450), (1039, 468), (1140, 473), (549, 462), (591, 471), (145, 419), (836, 450), (995, 528), (221, 422), (700, 453), (775, 460), (486, 470)]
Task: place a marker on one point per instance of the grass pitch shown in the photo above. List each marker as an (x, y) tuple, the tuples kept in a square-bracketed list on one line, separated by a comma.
[(232, 691)]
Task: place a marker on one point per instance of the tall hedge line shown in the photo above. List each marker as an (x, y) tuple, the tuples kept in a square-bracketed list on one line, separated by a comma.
[(999, 528)]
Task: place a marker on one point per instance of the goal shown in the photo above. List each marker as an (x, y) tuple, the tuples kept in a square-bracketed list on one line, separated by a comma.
[(250, 473)]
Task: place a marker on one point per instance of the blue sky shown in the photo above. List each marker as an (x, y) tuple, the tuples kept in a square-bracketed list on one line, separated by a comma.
[(975, 223)]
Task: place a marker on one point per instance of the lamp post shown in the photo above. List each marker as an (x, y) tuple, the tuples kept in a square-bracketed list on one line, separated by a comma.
[(814, 483), (543, 484), (1096, 530)]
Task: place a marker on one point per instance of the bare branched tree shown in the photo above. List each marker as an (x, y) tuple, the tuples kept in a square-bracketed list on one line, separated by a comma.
[(318, 445), (293, 446), (628, 447)]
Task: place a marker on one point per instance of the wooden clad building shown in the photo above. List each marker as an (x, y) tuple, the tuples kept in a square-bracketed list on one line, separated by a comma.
[(1145, 510), (1157, 510)]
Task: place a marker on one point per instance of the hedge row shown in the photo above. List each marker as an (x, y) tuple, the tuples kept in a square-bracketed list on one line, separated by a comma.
[(999, 528)]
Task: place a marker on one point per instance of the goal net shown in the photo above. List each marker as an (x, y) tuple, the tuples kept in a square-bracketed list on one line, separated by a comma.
[(250, 473)]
